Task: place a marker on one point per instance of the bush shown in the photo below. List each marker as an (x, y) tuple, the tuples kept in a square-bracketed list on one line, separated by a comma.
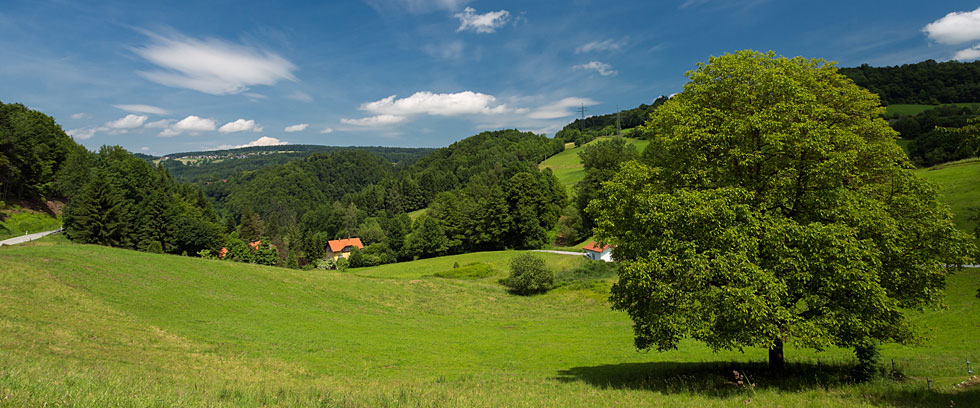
[(342, 264), (529, 275)]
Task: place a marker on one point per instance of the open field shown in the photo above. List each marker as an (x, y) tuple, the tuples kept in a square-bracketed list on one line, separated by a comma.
[(92, 326), (914, 109), (568, 167), (960, 185)]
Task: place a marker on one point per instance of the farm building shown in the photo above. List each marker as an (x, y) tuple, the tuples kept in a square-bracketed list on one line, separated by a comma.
[(597, 252), (340, 248)]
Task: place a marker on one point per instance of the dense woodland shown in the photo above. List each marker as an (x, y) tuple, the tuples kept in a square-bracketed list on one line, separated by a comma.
[(222, 164), (582, 131), (927, 82)]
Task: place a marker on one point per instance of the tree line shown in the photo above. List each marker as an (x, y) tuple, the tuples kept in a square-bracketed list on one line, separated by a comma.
[(927, 82)]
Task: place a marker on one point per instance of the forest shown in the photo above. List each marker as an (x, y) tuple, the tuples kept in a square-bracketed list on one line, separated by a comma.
[(927, 82)]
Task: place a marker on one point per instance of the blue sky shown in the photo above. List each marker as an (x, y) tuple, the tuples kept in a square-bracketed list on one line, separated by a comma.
[(162, 77)]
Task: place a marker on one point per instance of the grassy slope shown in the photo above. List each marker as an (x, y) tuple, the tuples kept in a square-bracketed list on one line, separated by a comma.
[(18, 221), (568, 167), (92, 326), (960, 185)]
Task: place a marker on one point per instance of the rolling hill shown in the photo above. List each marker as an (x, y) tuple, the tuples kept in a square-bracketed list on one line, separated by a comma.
[(95, 326)]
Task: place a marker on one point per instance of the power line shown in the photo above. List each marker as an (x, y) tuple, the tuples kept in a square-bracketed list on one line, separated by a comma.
[(582, 110)]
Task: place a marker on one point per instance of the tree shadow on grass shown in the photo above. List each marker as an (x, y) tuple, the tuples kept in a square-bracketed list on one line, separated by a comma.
[(719, 379), (728, 379)]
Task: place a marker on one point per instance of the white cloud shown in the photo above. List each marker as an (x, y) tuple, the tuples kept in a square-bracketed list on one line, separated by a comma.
[(212, 66), (300, 96), (153, 110), (296, 128), (160, 124), (461, 103), (605, 45), (375, 121), (80, 115), (560, 109), (481, 23), (955, 28), (192, 123), (240, 125), (130, 121), (254, 96), (145, 148), (326, 130), (600, 67), (416, 6), (262, 141), (969, 54), (82, 134)]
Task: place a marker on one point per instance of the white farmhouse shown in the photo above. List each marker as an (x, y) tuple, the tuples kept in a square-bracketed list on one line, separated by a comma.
[(597, 252)]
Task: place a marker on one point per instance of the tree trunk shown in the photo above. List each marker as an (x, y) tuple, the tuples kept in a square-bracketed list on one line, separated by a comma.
[(776, 361)]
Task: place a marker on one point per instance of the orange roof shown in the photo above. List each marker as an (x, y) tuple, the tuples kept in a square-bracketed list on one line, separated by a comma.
[(596, 247), (338, 245), (255, 244), (222, 252)]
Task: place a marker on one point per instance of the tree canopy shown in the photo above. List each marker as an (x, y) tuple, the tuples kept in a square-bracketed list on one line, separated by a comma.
[(774, 207)]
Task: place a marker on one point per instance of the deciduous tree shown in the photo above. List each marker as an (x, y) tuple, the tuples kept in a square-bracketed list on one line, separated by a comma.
[(778, 210)]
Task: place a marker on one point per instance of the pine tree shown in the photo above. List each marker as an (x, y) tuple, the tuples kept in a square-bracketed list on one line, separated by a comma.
[(99, 215)]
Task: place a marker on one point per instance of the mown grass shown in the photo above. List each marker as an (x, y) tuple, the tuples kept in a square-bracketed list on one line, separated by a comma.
[(91, 326), (568, 167), (19, 221)]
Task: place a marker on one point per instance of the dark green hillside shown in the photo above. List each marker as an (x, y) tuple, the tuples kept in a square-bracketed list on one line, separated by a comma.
[(582, 131), (927, 82), (33, 148)]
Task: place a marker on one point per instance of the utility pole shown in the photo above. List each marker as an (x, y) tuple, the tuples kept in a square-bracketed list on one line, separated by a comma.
[(619, 124), (582, 110)]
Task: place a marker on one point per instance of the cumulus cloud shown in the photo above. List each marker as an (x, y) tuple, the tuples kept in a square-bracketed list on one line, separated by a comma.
[(560, 109), (599, 67), (130, 121), (262, 141), (604, 45), (212, 66), (968, 54), (374, 121), (149, 109), (326, 130), (82, 134), (145, 148), (240, 125), (448, 104), (80, 115), (955, 28), (160, 124), (485, 23), (296, 128), (192, 123)]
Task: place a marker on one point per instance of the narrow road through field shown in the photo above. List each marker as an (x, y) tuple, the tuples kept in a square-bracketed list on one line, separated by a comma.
[(25, 238)]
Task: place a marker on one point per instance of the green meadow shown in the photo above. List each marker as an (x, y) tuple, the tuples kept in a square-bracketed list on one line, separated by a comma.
[(19, 221), (567, 166), (959, 183), (94, 326)]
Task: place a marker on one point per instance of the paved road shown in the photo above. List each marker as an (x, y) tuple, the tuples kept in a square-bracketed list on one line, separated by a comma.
[(560, 252), (25, 238)]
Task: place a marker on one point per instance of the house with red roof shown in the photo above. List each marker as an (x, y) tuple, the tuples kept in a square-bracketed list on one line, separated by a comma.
[(340, 248), (599, 252)]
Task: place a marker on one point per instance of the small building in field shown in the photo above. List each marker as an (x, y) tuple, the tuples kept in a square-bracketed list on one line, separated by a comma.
[(340, 248), (598, 252)]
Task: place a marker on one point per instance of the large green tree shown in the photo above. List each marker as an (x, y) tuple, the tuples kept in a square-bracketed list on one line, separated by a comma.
[(776, 209)]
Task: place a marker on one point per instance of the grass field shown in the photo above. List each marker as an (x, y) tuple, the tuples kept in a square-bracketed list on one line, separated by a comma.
[(960, 185), (18, 221), (914, 109), (92, 326), (568, 167)]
